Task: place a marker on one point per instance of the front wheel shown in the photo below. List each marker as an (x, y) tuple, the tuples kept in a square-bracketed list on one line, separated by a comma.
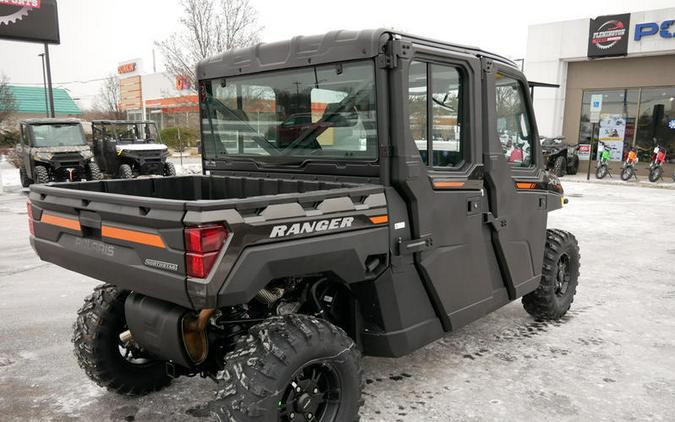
[(559, 166), (573, 168), (290, 369), (94, 172), (120, 367), (126, 172), (626, 173), (559, 277), (41, 174), (169, 169), (655, 174), (601, 171)]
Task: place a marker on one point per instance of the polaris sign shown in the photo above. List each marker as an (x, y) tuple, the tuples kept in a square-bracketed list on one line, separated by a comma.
[(665, 29)]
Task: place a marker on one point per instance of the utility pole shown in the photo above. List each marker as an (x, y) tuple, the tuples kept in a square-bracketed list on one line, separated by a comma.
[(44, 83), (49, 82)]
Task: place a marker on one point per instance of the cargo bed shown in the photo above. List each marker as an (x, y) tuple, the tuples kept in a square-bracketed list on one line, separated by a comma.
[(130, 232)]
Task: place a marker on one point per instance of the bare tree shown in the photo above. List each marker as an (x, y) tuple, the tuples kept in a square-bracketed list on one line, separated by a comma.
[(7, 100), (208, 28), (109, 98)]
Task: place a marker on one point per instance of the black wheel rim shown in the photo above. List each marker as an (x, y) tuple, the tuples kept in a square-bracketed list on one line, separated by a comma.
[(562, 279), (313, 394)]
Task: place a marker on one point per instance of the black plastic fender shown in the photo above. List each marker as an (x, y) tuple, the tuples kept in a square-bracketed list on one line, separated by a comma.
[(345, 255)]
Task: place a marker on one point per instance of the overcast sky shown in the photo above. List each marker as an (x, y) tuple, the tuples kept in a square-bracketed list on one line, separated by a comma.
[(98, 34)]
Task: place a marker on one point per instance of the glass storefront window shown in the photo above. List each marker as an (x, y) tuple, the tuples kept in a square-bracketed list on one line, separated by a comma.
[(617, 118), (649, 111), (656, 122)]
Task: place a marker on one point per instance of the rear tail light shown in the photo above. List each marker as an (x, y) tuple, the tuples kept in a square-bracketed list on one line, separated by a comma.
[(202, 245), (31, 224)]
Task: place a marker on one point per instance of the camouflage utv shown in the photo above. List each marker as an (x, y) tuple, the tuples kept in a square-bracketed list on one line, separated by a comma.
[(54, 150)]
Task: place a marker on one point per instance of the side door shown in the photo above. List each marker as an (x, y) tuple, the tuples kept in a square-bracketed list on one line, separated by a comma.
[(513, 174), (25, 150), (442, 180)]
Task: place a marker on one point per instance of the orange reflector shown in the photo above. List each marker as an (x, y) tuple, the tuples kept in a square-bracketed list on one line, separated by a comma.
[(521, 185), (55, 220), (133, 236), (379, 219), (441, 184)]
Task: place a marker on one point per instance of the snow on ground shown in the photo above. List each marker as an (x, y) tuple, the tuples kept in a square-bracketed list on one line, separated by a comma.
[(612, 358)]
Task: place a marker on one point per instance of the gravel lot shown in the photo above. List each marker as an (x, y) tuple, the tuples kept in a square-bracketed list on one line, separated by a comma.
[(612, 358)]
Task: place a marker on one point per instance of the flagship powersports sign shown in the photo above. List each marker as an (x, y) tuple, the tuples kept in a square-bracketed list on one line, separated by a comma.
[(29, 20), (608, 36)]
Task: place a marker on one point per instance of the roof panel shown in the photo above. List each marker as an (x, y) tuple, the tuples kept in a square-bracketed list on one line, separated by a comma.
[(31, 99)]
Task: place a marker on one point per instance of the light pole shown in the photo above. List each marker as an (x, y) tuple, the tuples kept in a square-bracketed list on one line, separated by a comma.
[(44, 82)]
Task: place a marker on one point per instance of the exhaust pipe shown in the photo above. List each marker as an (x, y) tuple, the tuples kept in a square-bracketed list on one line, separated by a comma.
[(168, 331), (194, 335)]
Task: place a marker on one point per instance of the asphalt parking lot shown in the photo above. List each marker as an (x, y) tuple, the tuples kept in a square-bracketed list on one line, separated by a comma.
[(612, 358)]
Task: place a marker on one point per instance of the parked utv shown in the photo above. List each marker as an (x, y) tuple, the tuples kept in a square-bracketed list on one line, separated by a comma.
[(278, 268), (125, 149), (560, 158), (53, 150)]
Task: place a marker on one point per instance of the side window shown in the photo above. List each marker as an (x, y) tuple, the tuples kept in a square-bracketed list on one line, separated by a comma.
[(513, 122), (417, 106), (447, 117), (443, 121)]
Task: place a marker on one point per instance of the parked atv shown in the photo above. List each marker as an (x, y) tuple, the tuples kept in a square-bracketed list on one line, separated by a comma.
[(560, 158), (53, 150), (276, 270), (126, 149)]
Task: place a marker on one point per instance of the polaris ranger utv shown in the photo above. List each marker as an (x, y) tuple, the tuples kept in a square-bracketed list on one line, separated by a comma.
[(54, 150), (125, 149), (275, 270)]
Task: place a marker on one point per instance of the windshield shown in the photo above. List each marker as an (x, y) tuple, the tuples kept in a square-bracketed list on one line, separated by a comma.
[(50, 135), (131, 132), (289, 116)]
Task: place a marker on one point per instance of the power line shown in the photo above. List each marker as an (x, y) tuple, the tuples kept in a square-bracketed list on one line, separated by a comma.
[(60, 83)]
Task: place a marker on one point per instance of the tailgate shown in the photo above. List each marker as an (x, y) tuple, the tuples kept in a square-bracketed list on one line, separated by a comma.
[(135, 243)]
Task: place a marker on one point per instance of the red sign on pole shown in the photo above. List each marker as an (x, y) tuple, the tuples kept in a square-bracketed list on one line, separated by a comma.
[(584, 151)]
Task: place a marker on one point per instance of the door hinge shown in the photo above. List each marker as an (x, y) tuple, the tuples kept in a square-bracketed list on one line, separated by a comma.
[(497, 223), (487, 66), (414, 245), (394, 49)]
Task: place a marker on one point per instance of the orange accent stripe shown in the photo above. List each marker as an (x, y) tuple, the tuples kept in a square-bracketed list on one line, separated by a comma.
[(448, 184), (54, 220), (133, 236), (522, 185), (379, 219)]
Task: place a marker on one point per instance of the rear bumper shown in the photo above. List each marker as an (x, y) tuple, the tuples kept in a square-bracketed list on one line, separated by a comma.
[(114, 264)]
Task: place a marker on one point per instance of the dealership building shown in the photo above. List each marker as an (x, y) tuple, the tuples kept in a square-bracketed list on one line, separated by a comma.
[(157, 96), (616, 76)]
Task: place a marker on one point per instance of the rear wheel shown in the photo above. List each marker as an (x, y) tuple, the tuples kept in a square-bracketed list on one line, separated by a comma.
[(169, 169), (655, 174), (559, 166), (601, 171), (41, 174), (94, 172), (25, 181), (125, 172), (559, 277), (120, 367), (291, 369)]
